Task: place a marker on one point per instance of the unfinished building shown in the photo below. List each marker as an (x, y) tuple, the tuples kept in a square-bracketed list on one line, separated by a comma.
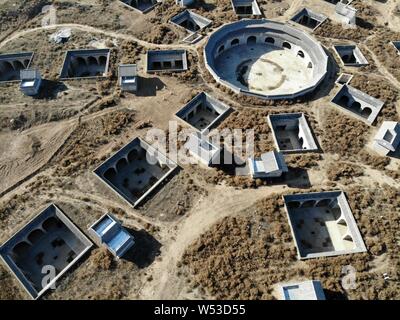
[(166, 61), (190, 21), (88, 63), (49, 242), (387, 139), (269, 165), (322, 224), (12, 64), (135, 171), (245, 8), (291, 133), (308, 18), (203, 112), (265, 59), (358, 103), (306, 290), (128, 77), (350, 55), (31, 81), (110, 233), (142, 6), (202, 149)]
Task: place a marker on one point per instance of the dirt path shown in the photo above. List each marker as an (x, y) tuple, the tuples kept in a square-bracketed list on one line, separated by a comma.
[(222, 202), (90, 29)]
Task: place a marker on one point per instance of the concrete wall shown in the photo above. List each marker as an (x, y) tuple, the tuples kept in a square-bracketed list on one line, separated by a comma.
[(221, 40)]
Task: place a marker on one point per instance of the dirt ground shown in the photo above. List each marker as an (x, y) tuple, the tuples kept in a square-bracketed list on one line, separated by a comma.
[(205, 233)]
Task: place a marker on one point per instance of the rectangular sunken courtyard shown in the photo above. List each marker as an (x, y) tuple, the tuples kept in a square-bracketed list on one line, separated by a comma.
[(142, 6), (88, 63), (135, 171), (190, 21), (351, 55), (322, 224), (358, 103), (166, 60), (292, 133), (203, 112), (246, 7), (12, 64), (309, 18), (48, 240)]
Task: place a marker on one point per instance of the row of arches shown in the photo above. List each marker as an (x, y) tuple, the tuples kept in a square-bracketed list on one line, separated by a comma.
[(253, 40), (87, 66), (10, 69), (22, 247), (354, 106), (134, 155), (88, 61)]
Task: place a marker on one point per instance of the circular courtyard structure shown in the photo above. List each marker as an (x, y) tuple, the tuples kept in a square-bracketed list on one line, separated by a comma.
[(266, 59)]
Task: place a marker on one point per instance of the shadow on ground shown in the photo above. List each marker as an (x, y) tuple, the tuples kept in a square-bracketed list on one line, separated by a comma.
[(145, 250), (148, 87)]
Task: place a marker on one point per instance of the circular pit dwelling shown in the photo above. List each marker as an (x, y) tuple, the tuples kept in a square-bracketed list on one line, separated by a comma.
[(266, 59)]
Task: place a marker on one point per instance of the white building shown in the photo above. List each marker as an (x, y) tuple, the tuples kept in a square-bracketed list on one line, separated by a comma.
[(30, 81), (110, 233), (307, 290), (200, 147), (270, 165), (127, 77), (388, 138), (346, 13)]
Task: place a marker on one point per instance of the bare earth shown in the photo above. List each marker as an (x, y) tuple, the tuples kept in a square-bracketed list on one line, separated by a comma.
[(49, 147)]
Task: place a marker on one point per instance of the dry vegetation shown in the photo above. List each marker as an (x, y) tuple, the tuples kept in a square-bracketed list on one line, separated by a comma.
[(384, 50), (243, 257), (79, 152)]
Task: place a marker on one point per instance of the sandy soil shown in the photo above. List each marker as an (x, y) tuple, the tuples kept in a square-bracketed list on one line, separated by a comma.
[(50, 146)]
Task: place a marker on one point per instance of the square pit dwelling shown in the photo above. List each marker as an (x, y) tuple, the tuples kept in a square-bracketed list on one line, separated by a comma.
[(49, 239), (358, 103), (203, 112), (12, 64), (190, 21), (292, 133), (350, 55), (309, 18), (166, 61), (88, 63), (135, 171), (245, 8), (322, 224)]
